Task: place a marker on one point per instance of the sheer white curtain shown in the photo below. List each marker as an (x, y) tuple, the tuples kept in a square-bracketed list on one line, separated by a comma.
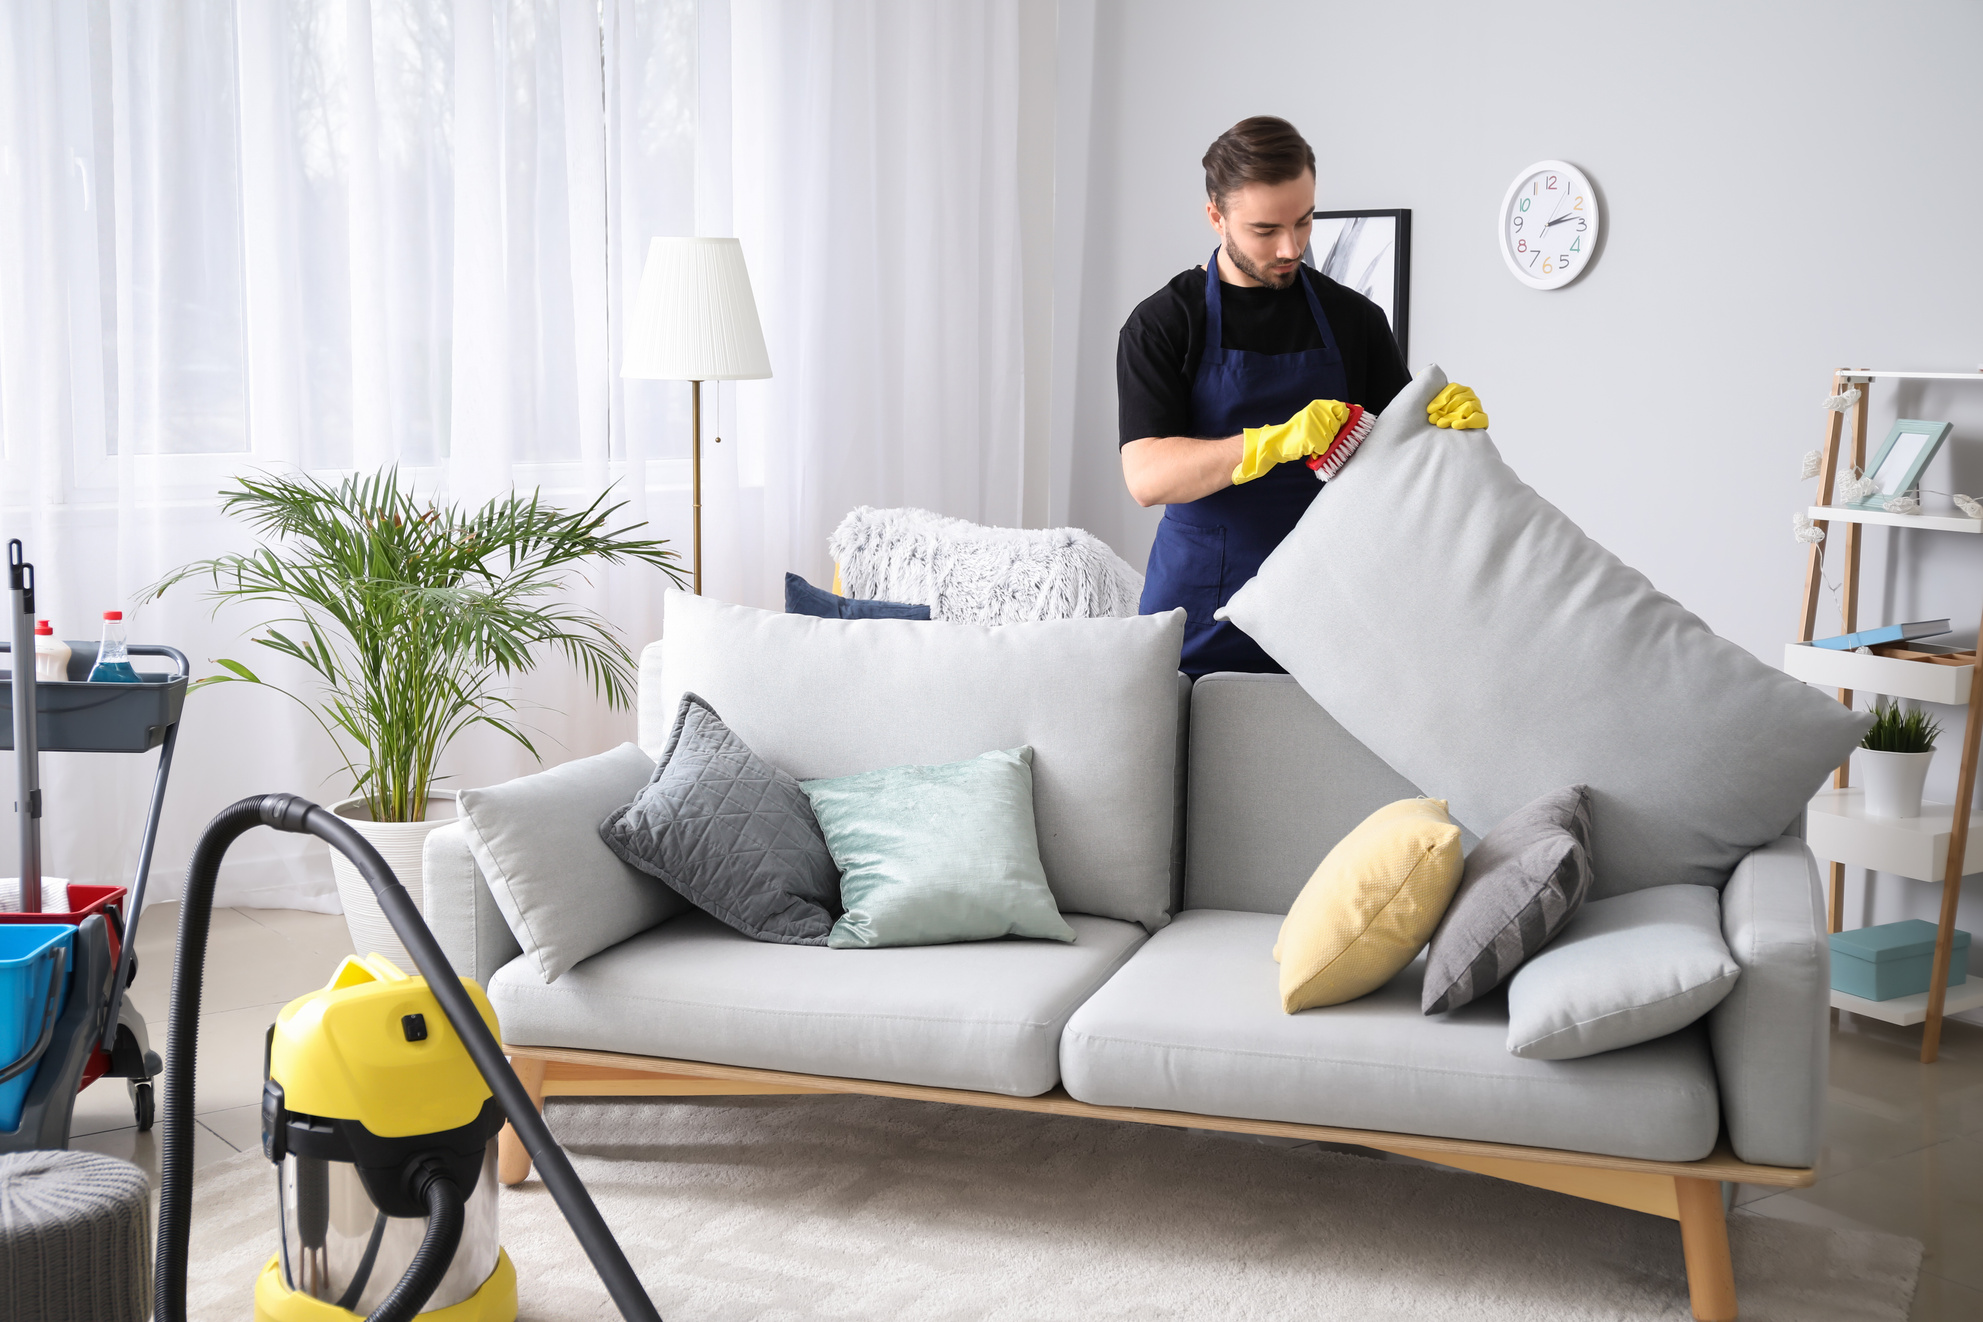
[(337, 234), (331, 234), (875, 159)]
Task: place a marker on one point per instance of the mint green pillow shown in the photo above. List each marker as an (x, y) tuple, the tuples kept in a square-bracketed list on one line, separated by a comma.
[(929, 855)]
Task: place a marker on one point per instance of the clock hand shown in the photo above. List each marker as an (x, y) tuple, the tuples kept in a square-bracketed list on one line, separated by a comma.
[(1545, 225), (1561, 199)]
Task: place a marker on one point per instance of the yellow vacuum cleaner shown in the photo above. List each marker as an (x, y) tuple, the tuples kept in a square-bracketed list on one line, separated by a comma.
[(383, 1099), (379, 1122)]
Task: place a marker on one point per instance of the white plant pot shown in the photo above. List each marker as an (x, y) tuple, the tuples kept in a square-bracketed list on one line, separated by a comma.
[(400, 844), (1893, 781)]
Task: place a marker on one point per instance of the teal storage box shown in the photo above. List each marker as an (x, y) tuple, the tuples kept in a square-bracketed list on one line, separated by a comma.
[(1893, 959)]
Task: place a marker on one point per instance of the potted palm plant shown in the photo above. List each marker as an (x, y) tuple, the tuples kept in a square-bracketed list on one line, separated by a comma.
[(1894, 757), (411, 617)]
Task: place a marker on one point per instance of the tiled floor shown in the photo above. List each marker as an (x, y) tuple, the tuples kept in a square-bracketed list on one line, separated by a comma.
[(1903, 1153), (1905, 1149), (258, 960)]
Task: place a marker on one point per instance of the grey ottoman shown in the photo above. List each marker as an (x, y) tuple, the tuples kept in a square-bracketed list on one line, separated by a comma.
[(75, 1238)]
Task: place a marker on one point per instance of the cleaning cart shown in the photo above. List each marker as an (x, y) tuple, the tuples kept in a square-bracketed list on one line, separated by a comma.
[(90, 1031)]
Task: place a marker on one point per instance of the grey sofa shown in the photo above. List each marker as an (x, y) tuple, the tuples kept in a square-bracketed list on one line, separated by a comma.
[(1173, 1020)]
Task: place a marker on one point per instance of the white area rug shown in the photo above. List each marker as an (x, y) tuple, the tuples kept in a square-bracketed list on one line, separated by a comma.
[(866, 1208)]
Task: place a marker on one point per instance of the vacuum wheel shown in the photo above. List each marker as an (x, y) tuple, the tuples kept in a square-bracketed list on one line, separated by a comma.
[(141, 1104)]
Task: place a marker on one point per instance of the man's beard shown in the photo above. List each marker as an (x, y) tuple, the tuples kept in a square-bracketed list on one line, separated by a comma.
[(1267, 278)]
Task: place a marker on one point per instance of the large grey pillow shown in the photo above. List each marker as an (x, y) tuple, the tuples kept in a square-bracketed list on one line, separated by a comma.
[(1626, 970), (562, 892), (731, 833), (1521, 885), (1096, 699), (1518, 655)]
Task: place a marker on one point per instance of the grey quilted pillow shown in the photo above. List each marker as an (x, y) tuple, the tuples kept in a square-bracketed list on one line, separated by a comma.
[(1521, 886), (732, 833)]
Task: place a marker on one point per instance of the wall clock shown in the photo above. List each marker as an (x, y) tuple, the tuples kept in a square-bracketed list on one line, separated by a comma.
[(1549, 225)]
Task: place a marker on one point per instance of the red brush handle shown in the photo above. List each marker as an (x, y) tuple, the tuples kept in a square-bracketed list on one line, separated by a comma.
[(1314, 461)]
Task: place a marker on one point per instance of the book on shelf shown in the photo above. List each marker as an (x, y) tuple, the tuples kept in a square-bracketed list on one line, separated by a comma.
[(1892, 633)]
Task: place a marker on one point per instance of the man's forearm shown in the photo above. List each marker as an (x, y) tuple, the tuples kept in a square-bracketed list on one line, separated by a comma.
[(1170, 470)]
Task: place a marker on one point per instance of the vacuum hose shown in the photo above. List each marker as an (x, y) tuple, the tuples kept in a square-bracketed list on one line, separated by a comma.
[(436, 1251), (175, 1178), (287, 812)]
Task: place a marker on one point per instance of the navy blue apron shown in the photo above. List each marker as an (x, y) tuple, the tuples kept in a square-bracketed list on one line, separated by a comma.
[(1207, 549)]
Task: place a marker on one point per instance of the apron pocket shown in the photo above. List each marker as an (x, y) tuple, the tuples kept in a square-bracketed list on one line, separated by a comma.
[(1187, 568)]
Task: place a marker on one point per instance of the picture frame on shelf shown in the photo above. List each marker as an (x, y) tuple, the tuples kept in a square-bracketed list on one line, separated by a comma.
[(1370, 252), (1898, 463)]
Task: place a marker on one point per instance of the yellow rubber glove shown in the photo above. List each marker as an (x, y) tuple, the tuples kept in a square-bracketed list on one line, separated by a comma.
[(1456, 406), (1310, 431)]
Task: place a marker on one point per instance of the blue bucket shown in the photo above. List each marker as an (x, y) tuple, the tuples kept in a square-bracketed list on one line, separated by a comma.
[(29, 955)]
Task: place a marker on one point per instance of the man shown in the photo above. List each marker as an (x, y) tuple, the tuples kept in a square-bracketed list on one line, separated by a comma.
[(1234, 369)]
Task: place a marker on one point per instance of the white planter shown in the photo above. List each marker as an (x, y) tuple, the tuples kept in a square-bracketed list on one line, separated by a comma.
[(1893, 781), (400, 844)]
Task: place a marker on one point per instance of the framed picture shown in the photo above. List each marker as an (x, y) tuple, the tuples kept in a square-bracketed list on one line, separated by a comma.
[(1370, 252), (1897, 464)]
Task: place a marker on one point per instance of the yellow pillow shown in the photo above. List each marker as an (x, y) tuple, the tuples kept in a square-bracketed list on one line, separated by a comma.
[(1371, 906)]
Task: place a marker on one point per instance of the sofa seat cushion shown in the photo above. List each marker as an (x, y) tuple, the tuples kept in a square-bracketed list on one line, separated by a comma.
[(985, 1015), (1193, 1023)]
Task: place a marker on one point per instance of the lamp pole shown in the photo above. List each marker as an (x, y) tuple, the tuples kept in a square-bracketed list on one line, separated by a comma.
[(695, 476)]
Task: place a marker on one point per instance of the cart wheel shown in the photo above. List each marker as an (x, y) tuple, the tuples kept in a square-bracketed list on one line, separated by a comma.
[(141, 1105)]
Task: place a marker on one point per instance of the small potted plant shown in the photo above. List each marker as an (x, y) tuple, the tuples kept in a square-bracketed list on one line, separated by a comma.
[(1894, 759), (411, 618)]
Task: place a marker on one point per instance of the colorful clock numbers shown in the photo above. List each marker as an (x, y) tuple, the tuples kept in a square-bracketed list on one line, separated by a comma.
[(1549, 225)]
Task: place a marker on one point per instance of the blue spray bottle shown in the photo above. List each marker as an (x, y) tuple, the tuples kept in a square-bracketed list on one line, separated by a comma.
[(113, 656)]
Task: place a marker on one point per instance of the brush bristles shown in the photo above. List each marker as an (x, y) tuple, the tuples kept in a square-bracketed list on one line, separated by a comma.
[(1339, 454)]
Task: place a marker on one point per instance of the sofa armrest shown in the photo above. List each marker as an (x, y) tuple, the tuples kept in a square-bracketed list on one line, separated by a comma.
[(1180, 798), (455, 899), (1772, 1035)]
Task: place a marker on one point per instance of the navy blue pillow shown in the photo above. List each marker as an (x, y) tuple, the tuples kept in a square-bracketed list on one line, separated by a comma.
[(802, 598)]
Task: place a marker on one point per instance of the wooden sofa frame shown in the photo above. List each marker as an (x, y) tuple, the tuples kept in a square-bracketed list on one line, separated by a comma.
[(1685, 1191)]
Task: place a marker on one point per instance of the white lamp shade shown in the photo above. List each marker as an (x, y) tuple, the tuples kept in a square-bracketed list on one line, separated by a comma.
[(695, 319)]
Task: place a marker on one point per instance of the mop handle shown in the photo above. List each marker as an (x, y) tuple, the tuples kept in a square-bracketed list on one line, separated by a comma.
[(27, 730), (288, 812)]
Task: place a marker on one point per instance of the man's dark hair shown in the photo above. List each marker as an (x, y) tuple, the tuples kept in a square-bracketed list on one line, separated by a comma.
[(1260, 150)]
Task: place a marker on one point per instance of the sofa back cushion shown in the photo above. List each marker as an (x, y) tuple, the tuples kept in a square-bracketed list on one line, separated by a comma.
[(1095, 698), (1471, 635), (1275, 784)]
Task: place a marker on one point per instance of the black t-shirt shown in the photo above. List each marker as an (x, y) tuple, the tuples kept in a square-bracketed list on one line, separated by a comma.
[(1157, 354)]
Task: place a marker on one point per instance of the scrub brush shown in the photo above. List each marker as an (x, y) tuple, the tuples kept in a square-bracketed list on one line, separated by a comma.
[(1356, 427)]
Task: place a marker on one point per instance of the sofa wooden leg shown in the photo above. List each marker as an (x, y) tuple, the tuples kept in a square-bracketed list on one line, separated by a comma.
[(512, 1158), (1704, 1239)]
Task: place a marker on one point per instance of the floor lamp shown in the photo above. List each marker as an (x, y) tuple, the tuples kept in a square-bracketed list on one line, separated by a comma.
[(695, 321)]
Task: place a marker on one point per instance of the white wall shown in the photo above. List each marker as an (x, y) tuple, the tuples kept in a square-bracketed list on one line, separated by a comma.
[(1788, 189)]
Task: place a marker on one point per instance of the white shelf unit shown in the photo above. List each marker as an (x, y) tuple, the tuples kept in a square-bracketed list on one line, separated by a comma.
[(1932, 522), (1923, 681), (1838, 828), (1910, 1010)]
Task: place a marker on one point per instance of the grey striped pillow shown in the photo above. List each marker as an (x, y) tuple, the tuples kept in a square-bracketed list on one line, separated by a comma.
[(1522, 883)]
